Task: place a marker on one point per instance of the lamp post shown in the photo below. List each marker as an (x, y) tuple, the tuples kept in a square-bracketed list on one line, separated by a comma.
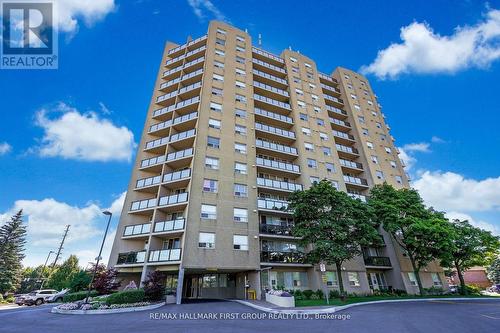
[(108, 213), (43, 268)]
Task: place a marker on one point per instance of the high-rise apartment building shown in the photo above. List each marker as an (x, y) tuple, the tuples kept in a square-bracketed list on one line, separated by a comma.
[(230, 132)]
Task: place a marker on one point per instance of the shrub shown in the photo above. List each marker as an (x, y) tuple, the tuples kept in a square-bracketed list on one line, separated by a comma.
[(78, 296), (307, 293), (127, 296), (399, 292), (320, 294), (433, 291), (1, 298), (10, 299), (334, 293), (314, 296), (471, 289), (297, 293), (154, 286)]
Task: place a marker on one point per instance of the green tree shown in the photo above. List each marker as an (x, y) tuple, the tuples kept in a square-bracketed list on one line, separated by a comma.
[(472, 246), (336, 225), (64, 274), (422, 233), (80, 281), (12, 240), (31, 279), (494, 271)]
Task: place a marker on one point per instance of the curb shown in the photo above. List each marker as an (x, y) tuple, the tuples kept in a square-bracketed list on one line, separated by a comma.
[(344, 307), (108, 311)]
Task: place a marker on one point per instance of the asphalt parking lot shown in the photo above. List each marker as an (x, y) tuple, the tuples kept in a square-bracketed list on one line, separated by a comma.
[(219, 316)]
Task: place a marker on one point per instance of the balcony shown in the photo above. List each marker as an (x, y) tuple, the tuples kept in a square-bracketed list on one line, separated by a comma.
[(377, 261), (277, 165), (342, 137), (327, 78), (274, 116), (182, 135), (357, 196), (131, 258), (191, 77), (187, 102), (164, 98), (189, 88), (176, 50), (272, 102), (272, 205), (351, 165), (164, 255), (268, 66), (275, 147), (360, 182), (267, 55), (337, 112), (195, 51), (137, 230), (177, 176), (282, 257), (156, 143), (269, 77), (273, 132), (169, 226), (147, 182), (340, 124), (169, 73), (278, 185), (196, 41), (166, 124), (335, 100), (193, 63), (169, 83), (174, 199), (180, 105), (177, 159), (345, 151), (143, 204), (276, 230), (329, 88), (262, 86), (153, 162)]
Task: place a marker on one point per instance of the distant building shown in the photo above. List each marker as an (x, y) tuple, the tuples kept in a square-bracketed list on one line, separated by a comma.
[(476, 276)]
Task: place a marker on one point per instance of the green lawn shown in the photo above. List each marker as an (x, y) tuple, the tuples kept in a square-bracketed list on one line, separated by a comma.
[(350, 300)]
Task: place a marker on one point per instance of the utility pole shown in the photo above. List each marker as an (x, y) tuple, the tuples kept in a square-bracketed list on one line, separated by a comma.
[(60, 247)]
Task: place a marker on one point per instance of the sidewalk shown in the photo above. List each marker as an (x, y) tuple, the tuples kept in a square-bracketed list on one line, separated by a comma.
[(271, 308)]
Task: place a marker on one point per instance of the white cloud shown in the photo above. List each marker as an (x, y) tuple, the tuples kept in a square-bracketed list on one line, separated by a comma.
[(480, 224), (83, 137), (420, 147), (104, 108), (424, 51), (5, 148), (203, 7), (408, 160), (437, 139), (117, 205), (85, 256), (450, 191), (407, 153), (90, 11)]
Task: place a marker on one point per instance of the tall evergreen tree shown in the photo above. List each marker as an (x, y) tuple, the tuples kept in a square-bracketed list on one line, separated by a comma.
[(12, 240), (494, 271)]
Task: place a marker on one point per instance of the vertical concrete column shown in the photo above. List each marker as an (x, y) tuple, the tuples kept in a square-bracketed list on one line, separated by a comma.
[(180, 283)]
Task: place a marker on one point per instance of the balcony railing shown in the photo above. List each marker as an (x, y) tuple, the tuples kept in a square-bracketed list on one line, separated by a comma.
[(138, 229), (152, 161), (180, 154), (171, 225), (197, 40), (346, 149), (133, 257), (276, 147), (355, 180), (267, 54), (268, 65), (377, 261), (343, 135), (271, 88), (156, 143), (269, 76), (170, 83), (275, 130), (143, 204), (357, 196), (182, 135), (164, 255), (351, 164), (324, 86), (279, 230), (194, 62), (271, 101), (180, 47), (280, 185), (272, 204), (173, 199), (277, 165), (145, 182), (166, 96), (273, 115), (163, 111), (192, 74), (282, 257), (187, 102), (334, 99), (190, 87), (175, 121), (340, 122), (336, 110), (177, 175), (326, 77), (200, 49)]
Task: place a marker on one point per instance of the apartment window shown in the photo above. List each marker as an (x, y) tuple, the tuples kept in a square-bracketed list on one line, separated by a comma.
[(296, 80), (436, 280), (332, 279), (317, 109), (216, 91), (240, 39), (213, 142), (240, 242), (220, 52), (240, 148), (240, 72), (383, 137), (303, 116), (212, 163), (379, 125), (240, 168), (412, 278), (240, 60), (323, 136), (379, 174), (240, 85), (335, 184), (311, 163), (292, 59), (240, 214), (347, 77), (306, 131), (208, 212), (299, 92), (330, 167), (210, 185), (374, 159), (218, 64), (393, 164), (241, 98), (219, 41), (327, 151), (399, 179), (206, 240), (295, 69), (349, 86), (240, 129), (369, 102), (309, 146), (218, 77), (214, 123), (314, 97), (309, 75), (369, 144), (388, 150), (241, 190), (365, 131), (361, 119), (301, 104), (354, 96), (215, 107), (312, 86), (314, 180), (353, 278), (307, 65), (374, 113), (221, 31), (240, 49), (239, 113), (320, 122)]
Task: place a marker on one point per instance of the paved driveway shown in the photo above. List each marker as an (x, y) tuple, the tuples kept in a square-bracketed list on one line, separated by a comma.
[(436, 316)]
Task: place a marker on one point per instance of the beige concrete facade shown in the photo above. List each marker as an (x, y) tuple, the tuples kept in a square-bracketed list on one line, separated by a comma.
[(230, 132)]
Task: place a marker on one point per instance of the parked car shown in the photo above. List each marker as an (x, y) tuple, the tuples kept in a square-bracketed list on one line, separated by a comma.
[(58, 297), (36, 297), (19, 299)]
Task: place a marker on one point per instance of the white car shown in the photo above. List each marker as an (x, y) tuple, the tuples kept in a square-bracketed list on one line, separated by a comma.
[(57, 297), (36, 297)]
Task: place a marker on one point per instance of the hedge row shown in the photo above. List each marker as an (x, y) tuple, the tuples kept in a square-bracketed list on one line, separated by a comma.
[(127, 296), (78, 296)]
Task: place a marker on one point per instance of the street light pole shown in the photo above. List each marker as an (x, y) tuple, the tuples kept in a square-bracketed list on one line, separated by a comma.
[(108, 213), (43, 268)]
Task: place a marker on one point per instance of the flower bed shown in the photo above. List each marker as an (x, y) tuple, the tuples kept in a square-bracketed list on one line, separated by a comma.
[(99, 306), (280, 298)]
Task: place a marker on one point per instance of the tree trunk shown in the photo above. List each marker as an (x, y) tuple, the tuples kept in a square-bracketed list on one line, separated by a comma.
[(416, 271), (463, 289), (339, 274)]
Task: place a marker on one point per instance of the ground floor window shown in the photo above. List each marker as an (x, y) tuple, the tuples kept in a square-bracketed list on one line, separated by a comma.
[(332, 279), (353, 278), (171, 284), (412, 278), (436, 281), (284, 280)]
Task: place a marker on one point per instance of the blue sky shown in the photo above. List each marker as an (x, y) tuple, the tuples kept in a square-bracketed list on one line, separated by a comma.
[(68, 136)]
